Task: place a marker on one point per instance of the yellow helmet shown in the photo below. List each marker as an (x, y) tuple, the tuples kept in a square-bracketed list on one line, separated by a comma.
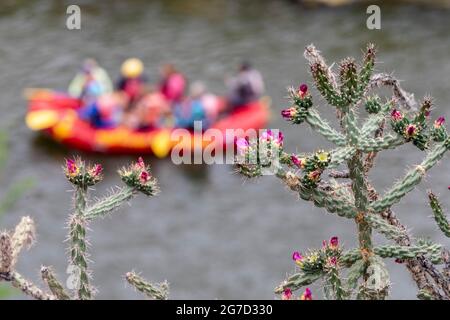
[(132, 68)]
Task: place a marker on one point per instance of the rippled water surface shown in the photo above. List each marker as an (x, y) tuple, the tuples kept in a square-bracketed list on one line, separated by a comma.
[(210, 233)]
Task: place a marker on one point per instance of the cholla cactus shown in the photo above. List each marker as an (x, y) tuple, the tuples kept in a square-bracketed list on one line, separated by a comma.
[(359, 273), (137, 178)]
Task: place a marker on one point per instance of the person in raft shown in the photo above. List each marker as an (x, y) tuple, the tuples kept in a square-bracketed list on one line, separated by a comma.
[(247, 86), (172, 84), (152, 110), (90, 82), (193, 108), (107, 111), (132, 80)]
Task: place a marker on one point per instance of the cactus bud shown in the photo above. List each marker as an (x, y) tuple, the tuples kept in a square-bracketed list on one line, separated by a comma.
[(79, 174), (307, 295), (287, 294), (439, 122), (396, 115), (138, 177), (334, 242), (296, 256)]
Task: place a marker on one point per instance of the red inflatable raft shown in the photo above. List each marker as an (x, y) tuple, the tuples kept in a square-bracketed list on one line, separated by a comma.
[(56, 115)]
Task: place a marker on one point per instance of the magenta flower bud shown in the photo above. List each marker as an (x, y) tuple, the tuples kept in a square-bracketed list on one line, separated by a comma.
[(324, 244), (97, 170), (144, 177), (307, 295), (396, 115), (141, 163), (411, 130), (296, 161), (439, 122), (71, 167), (303, 89), (280, 138), (242, 145), (288, 113), (296, 256), (334, 242), (287, 294)]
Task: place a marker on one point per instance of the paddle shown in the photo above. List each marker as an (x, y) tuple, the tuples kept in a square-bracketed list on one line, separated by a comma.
[(41, 119)]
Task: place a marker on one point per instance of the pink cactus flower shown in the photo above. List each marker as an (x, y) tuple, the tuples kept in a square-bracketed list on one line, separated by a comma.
[(97, 170), (307, 295), (334, 242), (71, 167), (141, 163), (296, 161), (144, 177), (296, 256), (242, 145), (411, 130), (288, 113), (303, 90), (269, 135), (396, 115), (287, 294), (439, 122)]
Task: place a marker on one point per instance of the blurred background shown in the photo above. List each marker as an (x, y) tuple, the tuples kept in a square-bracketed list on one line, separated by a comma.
[(210, 233)]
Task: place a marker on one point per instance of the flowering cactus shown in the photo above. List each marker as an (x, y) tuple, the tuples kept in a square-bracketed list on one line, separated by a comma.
[(137, 178), (359, 273)]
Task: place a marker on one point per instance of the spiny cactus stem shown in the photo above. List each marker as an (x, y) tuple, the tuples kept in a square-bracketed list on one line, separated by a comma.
[(336, 284), (78, 243), (6, 253), (439, 215), (110, 203), (323, 127), (23, 236), (298, 280), (158, 292), (53, 284), (27, 287)]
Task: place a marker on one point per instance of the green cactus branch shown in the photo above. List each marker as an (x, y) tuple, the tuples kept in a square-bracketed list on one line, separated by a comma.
[(152, 291), (110, 203), (298, 280), (439, 215), (384, 227), (323, 127), (411, 179), (394, 251), (56, 288), (340, 155), (388, 141)]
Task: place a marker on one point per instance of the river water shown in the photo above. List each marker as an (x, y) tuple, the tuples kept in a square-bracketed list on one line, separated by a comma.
[(210, 233)]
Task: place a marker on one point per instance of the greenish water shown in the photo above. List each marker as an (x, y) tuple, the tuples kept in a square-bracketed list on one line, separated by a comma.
[(210, 233)]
